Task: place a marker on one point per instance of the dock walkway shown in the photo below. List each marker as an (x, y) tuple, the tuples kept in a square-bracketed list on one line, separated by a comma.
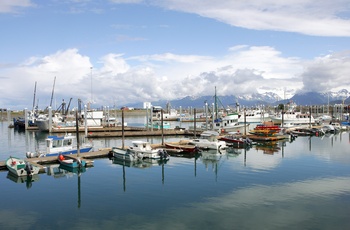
[(42, 161)]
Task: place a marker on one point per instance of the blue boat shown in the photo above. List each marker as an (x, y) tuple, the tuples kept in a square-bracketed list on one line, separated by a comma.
[(64, 145), (71, 162)]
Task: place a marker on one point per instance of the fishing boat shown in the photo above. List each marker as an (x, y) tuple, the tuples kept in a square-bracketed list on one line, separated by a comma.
[(253, 116), (208, 140), (145, 148), (292, 118), (64, 145), (236, 139), (70, 161), (126, 154), (229, 123), (20, 167), (184, 147)]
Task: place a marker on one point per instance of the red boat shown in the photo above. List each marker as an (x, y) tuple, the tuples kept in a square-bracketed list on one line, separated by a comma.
[(267, 127), (236, 139), (184, 147)]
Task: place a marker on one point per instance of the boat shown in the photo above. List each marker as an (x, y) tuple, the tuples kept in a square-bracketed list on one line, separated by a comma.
[(57, 121), (236, 139), (185, 147), (291, 118), (268, 126), (70, 162), (157, 124), (254, 116), (126, 154), (28, 180), (145, 148), (229, 123), (20, 167), (64, 145), (208, 140), (265, 130)]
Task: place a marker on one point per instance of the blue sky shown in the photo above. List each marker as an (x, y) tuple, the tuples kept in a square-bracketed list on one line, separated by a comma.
[(147, 50)]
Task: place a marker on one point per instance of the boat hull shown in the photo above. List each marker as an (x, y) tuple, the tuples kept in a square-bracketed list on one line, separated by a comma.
[(71, 162), (21, 167), (126, 154)]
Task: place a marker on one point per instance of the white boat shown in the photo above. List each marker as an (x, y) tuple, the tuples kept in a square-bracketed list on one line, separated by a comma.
[(42, 122), (229, 123), (328, 128), (145, 148), (172, 115), (64, 145), (292, 118), (323, 119), (254, 116), (126, 154), (21, 167), (208, 140)]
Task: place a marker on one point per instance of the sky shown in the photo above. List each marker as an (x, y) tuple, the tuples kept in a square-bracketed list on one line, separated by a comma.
[(117, 52)]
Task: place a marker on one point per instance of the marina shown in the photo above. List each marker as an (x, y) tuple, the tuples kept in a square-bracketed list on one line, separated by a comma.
[(306, 174)]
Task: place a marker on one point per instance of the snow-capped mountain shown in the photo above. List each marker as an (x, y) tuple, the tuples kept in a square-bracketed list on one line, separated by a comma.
[(257, 99)]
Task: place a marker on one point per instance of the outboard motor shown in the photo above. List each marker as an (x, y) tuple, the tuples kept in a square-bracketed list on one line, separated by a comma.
[(29, 154), (79, 163), (28, 168)]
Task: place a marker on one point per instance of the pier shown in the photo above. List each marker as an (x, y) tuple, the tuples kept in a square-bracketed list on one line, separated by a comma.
[(42, 161)]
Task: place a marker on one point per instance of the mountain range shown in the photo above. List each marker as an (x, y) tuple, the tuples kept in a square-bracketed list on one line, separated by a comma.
[(256, 99)]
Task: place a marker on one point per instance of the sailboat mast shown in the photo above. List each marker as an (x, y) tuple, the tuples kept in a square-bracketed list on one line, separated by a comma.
[(34, 97), (53, 89), (216, 105)]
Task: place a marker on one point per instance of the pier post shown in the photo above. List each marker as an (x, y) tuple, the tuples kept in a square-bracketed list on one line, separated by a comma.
[(123, 129), (161, 113), (9, 120), (151, 119), (50, 119), (194, 121), (206, 116), (245, 122), (25, 119), (147, 118)]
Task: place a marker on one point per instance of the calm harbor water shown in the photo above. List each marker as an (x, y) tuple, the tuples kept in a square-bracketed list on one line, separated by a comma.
[(304, 184)]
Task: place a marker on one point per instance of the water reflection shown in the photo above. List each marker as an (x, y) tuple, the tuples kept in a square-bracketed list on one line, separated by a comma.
[(139, 164), (28, 180), (264, 204), (60, 171)]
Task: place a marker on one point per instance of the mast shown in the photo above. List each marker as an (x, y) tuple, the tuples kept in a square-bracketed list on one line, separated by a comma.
[(53, 89), (216, 105), (34, 97)]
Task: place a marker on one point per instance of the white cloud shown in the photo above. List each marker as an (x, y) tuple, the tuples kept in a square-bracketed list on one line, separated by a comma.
[(11, 6), (121, 80), (328, 72), (324, 18)]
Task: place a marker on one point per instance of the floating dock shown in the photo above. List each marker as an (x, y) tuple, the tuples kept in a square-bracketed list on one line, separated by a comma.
[(42, 161)]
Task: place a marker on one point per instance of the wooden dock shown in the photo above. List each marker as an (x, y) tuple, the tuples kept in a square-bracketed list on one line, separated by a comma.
[(140, 133), (42, 161)]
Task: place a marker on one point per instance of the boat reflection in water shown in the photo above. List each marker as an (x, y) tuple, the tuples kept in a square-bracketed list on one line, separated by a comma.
[(140, 164), (59, 171), (23, 179), (268, 147)]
